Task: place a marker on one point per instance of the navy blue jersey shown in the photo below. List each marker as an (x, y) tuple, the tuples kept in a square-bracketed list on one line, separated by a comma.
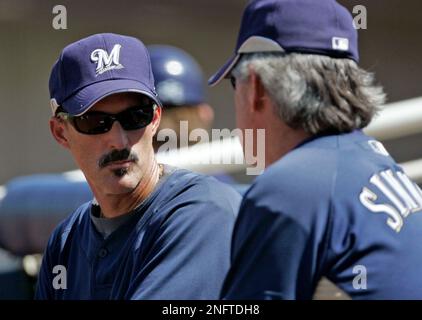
[(336, 206), (175, 245)]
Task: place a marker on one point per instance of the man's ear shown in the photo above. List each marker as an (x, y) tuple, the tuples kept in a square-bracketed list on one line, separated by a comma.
[(58, 130), (258, 93), (156, 120)]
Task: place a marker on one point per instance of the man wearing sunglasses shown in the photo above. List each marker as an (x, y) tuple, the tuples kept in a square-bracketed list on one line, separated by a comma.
[(152, 231)]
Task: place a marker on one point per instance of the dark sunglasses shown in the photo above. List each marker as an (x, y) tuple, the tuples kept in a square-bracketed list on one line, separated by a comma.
[(97, 122)]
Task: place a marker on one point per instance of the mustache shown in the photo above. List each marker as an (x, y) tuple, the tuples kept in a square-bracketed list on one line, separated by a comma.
[(117, 155)]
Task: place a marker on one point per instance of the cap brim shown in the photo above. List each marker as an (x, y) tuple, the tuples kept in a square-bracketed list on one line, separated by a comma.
[(224, 71), (253, 44), (85, 98)]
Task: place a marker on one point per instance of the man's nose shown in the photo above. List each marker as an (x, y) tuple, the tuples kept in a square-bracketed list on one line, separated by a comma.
[(117, 137)]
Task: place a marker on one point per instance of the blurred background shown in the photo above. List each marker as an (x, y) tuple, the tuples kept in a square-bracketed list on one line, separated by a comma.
[(391, 47)]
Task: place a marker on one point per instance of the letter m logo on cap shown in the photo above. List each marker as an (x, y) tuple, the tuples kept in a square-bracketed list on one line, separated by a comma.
[(105, 61)]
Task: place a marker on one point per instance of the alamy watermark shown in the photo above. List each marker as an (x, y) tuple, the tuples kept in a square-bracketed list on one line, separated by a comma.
[(360, 281), (360, 20), (221, 148), (60, 280), (60, 19)]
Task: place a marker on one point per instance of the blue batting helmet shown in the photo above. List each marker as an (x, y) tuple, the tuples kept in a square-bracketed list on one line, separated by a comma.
[(178, 77)]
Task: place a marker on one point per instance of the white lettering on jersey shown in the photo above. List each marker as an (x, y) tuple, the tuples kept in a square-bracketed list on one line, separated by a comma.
[(378, 147), (404, 195), (395, 221)]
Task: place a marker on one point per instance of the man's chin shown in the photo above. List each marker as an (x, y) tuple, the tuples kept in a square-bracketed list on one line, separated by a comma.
[(120, 183)]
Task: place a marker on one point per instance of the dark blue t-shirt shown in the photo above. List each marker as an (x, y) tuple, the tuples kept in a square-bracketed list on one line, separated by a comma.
[(176, 245), (336, 206)]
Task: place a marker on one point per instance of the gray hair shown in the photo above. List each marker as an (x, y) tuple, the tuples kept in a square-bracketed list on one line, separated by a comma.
[(317, 93)]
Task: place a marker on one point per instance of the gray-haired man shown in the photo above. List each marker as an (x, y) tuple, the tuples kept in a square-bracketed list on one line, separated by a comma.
[(332, 202)]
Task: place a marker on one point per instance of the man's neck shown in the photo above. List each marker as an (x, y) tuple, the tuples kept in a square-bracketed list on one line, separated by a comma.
[(282, 141), (117, 205)]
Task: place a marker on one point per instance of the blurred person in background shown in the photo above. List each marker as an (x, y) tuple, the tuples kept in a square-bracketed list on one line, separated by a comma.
[(180, 84)]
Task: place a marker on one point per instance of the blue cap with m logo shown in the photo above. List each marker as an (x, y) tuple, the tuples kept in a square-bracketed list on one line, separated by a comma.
[(97, 66)]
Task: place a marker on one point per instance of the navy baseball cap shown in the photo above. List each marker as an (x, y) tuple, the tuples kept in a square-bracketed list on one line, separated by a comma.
[(178, 77), (97, 66), (306, 26)]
